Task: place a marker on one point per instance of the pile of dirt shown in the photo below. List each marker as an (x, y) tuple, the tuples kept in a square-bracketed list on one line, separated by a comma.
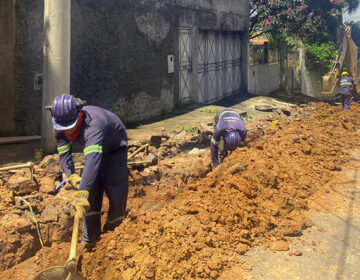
[(19, 239), (183, 227), (258, 195)]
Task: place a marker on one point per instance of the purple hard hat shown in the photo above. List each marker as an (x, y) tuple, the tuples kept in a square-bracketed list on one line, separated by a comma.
[(65, 112), (232, 140)]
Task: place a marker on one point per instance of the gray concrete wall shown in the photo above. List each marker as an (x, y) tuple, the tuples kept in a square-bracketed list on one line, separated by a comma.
[(119, 53), (119, 50), (28, 61), (263, 79), (7, 79)]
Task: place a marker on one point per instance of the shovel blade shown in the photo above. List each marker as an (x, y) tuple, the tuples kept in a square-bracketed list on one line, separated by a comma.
[(58, 273)]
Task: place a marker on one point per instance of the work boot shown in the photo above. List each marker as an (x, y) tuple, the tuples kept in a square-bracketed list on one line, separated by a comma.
[(88, 246), (110, 226)]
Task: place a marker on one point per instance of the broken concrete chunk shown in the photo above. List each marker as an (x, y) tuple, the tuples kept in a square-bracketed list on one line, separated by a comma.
[(155, 140), (180, 136), (265, 108), (50, 214), (22, 186), (196, 151)]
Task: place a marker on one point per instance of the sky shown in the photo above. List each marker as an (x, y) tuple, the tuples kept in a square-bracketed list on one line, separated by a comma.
[(354, 16)]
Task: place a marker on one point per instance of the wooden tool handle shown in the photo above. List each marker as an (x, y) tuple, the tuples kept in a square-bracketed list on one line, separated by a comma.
[(74, 237)]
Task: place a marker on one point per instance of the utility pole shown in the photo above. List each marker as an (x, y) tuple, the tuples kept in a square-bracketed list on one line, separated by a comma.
[(56, 50)]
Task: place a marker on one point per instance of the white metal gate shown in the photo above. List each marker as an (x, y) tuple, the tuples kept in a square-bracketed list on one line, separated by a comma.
[(185, 63), (219, 65)]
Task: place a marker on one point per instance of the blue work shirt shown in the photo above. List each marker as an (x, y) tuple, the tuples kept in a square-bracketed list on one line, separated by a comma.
[(345, 85), (102, 132), (226, 120)]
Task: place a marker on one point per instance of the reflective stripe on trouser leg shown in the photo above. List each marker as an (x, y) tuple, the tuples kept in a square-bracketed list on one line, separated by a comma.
[(92, 223), (116, 177)]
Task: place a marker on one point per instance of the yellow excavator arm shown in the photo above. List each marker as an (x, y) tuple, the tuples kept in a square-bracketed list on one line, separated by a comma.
[(348, 53)]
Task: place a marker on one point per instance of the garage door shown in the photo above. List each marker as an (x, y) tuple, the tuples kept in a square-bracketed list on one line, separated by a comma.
[(185, 66), (219, 65)]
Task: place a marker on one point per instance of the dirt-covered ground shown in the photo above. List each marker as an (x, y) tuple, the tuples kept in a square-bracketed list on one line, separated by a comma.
[(186, 221)]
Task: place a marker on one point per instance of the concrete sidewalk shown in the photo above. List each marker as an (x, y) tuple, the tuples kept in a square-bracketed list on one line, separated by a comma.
[(185, 117), (194, 114)]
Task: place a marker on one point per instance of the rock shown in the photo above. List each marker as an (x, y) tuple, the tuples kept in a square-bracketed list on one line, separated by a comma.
[(49, 161), (203, 127), (50, 214), (47, 185), (21, 185), (280, 245), (151, 158), (295, 253), (194, 151), (155, 140), (265, 108), (286, 112), (306, 149), (180, 136)]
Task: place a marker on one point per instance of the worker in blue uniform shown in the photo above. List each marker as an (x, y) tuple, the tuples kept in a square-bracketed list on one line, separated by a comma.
[(346, 84), (104, 138), (230, 128)]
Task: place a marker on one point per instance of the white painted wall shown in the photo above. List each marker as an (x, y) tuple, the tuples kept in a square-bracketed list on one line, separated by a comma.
[(310, 80), (263, 79)]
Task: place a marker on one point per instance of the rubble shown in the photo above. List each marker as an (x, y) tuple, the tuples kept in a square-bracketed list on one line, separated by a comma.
[(187, 221)]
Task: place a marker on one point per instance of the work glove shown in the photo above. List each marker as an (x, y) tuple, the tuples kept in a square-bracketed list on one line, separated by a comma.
[(79, 203), (74, 180)]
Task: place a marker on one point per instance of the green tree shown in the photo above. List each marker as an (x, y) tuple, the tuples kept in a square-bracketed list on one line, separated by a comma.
[(313, 21)]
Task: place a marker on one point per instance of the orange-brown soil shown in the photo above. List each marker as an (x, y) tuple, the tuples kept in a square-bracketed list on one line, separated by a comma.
[(185, 227)]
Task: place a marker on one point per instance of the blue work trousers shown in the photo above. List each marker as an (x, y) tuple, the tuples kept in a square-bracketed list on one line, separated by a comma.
[(346, 100), (113, 179)]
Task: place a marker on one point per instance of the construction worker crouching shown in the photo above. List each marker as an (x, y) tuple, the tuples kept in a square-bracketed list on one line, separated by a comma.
[(230, 128), (104, 138), (346, 84)]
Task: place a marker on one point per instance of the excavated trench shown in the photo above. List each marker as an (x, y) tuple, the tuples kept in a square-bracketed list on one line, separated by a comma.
[(186, 221)]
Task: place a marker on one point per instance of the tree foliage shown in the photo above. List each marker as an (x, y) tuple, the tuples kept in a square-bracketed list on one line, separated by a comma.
[(310, 20), (319, 57)]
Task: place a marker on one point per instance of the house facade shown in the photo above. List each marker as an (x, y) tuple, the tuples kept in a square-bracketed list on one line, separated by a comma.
[(137, 58)]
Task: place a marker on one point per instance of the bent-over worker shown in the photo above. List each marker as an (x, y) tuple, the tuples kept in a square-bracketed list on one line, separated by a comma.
[(230, 127), (104, 138), (346, 84)]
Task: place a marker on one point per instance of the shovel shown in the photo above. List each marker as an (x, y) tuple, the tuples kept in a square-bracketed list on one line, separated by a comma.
[(67, 272)]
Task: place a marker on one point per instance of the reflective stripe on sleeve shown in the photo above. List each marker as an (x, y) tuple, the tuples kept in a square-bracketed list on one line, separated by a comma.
[(64, 149), (346, 84), (93, 149), (228, 112)]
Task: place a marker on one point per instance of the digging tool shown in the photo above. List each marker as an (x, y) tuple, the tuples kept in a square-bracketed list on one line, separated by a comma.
[(29, 165), (138, 151), (67, 272)]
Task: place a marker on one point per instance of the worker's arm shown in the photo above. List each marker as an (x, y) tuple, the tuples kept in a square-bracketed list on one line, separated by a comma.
[(93, 155), (214, 146), (64, 150), (242, 130)]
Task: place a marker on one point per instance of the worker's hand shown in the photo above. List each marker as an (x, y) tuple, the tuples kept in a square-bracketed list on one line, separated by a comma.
[(74, 180), (79, 203)]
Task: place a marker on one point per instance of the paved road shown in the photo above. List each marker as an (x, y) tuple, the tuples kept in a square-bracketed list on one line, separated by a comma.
[(330, 249)]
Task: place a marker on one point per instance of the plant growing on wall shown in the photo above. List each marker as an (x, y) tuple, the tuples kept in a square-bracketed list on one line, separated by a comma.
[(313, 21), (319, 57)]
